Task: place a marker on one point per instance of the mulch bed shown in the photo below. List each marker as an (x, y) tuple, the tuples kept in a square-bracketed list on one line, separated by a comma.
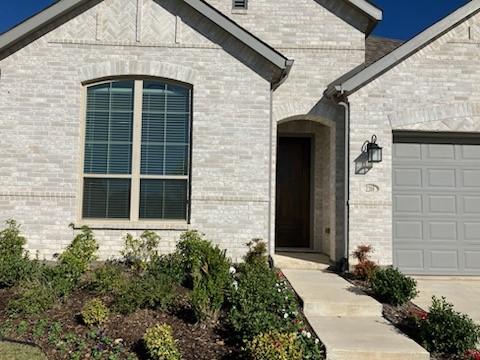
[(200, 342)]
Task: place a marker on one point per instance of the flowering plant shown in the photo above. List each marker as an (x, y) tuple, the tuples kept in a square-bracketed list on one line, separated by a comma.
[(472, 354), (419, 314)]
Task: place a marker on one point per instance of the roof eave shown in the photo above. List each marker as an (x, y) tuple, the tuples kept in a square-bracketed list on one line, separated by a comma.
[(38, 21), (61, 8), (404, 51), (369, 9)]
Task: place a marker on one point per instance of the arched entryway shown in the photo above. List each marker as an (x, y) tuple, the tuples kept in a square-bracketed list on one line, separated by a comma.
[(305, 186)]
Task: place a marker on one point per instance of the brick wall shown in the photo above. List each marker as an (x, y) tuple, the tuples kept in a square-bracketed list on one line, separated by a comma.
[(437, 89)]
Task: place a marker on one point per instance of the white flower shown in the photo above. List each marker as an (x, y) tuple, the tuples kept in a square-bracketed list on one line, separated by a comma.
[(316, 341), (285, 315), (279, 290), (304, 333), (235, 284), (309, 335), (232, 270)]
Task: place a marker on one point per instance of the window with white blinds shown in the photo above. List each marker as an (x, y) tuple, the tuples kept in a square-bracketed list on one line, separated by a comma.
[(144, 117)]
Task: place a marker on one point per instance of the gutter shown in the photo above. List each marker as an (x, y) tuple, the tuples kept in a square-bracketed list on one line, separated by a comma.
[(284, 75)]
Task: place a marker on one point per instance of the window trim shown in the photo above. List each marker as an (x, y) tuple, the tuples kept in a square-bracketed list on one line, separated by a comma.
[(134, 220), (244, 8)]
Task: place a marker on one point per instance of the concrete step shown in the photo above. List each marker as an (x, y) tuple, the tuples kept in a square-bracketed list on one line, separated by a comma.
[(327, 294), (368, 338), (305, 261)]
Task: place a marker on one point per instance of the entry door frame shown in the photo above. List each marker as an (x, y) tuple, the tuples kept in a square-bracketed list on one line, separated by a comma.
[(313, 247)]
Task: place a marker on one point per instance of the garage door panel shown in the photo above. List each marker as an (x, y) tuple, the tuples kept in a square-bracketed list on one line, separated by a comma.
[(408, 230), (441, 204), (470, 152), (439, 152), (407, 178), (436, 208), (472, 260), (408, 152), (441, 178), (408, 204), (443, 260), (471, 179), (410, 260), (472, 231), (471, 204), (442, 231)]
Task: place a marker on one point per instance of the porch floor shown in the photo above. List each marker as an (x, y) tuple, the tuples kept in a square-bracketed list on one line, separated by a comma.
[(301, 260)]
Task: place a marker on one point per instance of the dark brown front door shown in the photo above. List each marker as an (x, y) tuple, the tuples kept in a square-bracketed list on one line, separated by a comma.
[(293, 192)]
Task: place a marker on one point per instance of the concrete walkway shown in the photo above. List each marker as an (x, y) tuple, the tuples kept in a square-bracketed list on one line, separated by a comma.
[(463, 293), (347, 321)]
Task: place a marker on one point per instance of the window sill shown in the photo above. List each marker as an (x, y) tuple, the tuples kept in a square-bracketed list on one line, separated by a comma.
[(173, 225), (240, 11)]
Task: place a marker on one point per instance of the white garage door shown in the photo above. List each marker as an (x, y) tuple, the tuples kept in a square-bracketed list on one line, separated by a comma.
[(436, 204)]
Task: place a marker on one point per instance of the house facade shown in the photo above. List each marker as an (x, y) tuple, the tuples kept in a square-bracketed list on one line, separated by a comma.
[(235, 119)]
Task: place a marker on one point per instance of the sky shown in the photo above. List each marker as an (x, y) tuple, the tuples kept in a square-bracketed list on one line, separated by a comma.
[(402, 18)]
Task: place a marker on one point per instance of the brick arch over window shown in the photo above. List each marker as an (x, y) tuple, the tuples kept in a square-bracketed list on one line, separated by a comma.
[(119, 68)]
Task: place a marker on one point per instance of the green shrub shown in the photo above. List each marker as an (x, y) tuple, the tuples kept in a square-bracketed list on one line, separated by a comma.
[(311, 347), (108, 278), (170, 265), (446, 331), (274, 346), (60, 280), (393, 287), (74, 261), (32, 297), (208, 268), (365, 267), (192, 248), (140, 251), (160, 343), (95, 312), (155, 292), (14, 263), (78, 256), (257, 253), (260, 304)]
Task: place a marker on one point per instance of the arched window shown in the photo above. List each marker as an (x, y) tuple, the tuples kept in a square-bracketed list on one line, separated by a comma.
[(137, 150)]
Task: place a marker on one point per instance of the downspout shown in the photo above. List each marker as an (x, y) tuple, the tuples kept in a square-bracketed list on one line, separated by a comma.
[(271, 245), (343, 265)]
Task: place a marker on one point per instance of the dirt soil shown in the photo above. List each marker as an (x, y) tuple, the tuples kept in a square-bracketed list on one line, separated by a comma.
[(199, 342)]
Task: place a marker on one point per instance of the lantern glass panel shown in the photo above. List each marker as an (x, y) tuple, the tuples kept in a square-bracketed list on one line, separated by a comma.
[(374, 153)]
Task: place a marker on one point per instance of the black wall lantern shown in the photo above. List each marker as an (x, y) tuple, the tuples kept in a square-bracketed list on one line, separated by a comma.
[(374, 151)]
